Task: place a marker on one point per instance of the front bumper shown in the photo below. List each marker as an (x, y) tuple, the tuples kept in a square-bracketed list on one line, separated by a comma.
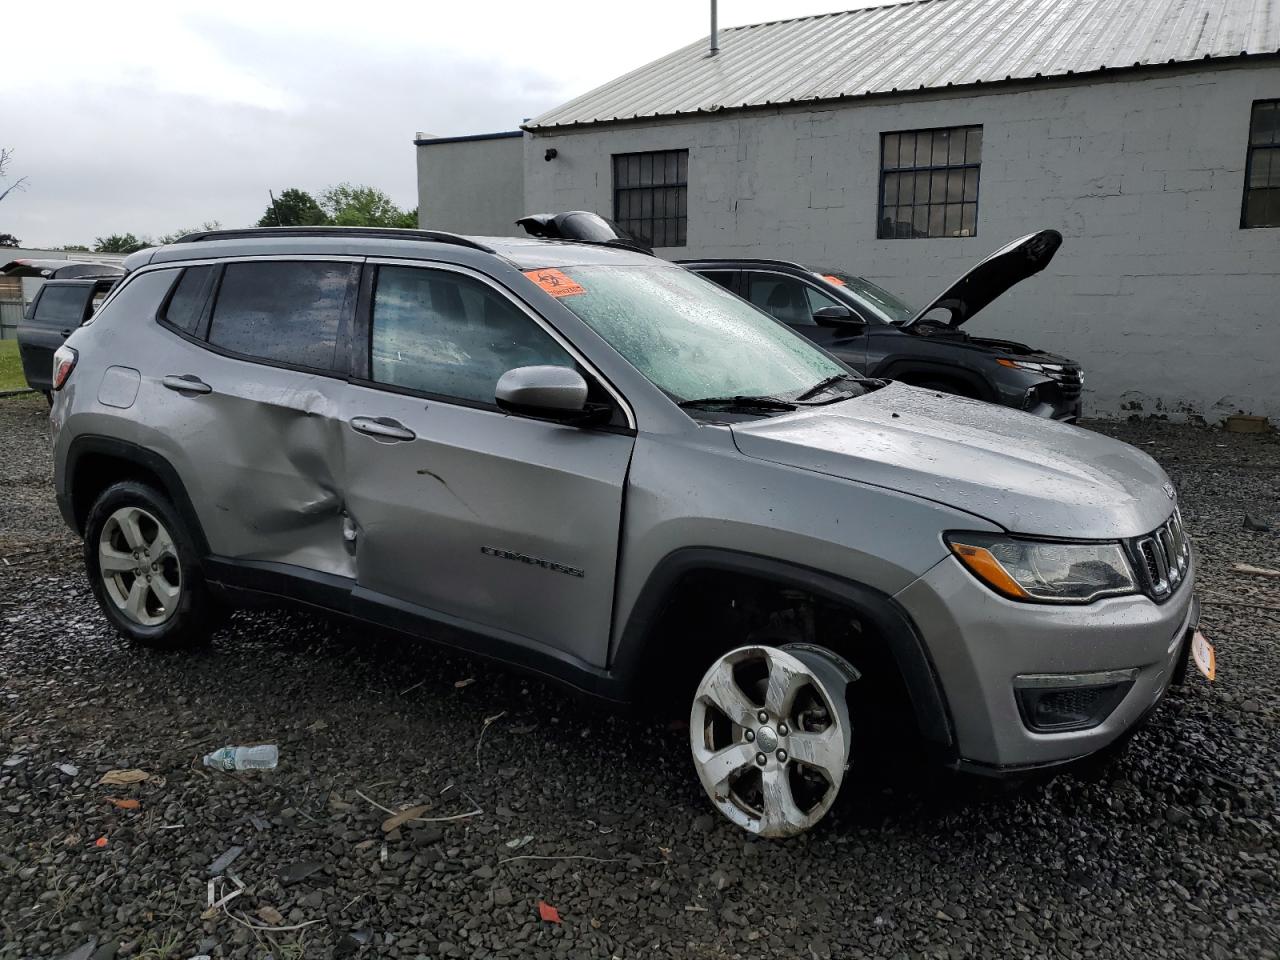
[(981, 644)]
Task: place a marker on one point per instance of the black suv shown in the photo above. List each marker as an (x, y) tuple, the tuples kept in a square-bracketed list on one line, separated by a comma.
[(65, 301), (877, 334)]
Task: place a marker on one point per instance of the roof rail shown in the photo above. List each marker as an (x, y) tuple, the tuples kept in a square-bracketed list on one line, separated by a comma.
[(386, 233), (753, 260)]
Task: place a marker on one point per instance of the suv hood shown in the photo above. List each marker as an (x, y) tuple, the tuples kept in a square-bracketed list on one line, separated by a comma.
[(1027, 474), (1008, 266)]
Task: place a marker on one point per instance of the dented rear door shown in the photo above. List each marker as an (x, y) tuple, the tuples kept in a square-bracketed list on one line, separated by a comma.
[(258, 404), (505, 523)]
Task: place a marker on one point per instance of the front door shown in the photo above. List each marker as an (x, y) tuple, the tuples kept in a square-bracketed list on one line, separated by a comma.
[(506, 523), (794, 302)]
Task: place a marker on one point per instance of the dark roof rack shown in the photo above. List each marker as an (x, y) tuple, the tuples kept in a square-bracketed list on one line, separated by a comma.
[(386, 233)]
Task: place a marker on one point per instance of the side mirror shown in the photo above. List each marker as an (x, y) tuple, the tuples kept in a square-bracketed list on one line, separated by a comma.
[(836, 317), (548, 393)]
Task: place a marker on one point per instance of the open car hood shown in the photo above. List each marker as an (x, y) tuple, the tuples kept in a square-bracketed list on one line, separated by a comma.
[(581, 225), (60, 269), (1009, 265)]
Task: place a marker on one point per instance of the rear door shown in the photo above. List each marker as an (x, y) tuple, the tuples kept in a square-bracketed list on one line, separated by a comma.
[(506, 523), (244, 394), (794, 302), (58, 309)]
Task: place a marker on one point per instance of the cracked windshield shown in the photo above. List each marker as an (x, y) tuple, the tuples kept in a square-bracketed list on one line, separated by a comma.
[(694, 339)]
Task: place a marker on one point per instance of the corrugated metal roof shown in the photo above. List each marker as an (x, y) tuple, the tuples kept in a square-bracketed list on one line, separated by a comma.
[(926, 44)]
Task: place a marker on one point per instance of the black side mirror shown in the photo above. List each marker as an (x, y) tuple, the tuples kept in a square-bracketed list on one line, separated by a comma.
[(836, 317)]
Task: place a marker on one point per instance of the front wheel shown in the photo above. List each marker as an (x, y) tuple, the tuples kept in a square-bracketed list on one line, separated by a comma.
[(771, 737), (144, 568)]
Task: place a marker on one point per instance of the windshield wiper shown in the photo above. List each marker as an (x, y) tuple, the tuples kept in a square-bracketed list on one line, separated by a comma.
[(752, 403), (821, 385)]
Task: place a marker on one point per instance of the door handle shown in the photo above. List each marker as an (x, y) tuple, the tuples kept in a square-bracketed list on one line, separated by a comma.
[(187, 383), (382, 428)]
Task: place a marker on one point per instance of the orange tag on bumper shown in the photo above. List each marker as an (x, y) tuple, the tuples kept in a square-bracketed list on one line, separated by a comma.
[(1202, 653), (555, 282)]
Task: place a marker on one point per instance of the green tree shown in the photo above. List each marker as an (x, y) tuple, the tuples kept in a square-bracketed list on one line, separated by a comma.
[(119, 243), (356, 205), (294, 208), (9, 240), (73, 247)]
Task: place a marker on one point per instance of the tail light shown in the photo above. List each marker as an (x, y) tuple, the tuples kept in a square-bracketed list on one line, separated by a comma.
[(64, 361)]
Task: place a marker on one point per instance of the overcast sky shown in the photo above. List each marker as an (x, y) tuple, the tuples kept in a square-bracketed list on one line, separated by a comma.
[(150, 118)]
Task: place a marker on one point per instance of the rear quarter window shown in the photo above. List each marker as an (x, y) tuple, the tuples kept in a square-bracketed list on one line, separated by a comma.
[(140, 296), (186, 303), (62, 304)]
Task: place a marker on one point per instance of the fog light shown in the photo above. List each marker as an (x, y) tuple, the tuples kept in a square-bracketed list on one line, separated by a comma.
[(1053, 703)]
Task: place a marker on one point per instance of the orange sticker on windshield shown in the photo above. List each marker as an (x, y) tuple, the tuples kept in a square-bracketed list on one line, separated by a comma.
[(555, 282), (832, 279)]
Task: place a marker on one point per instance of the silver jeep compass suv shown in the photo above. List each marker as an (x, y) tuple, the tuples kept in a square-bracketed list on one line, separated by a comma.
[(608, 470)]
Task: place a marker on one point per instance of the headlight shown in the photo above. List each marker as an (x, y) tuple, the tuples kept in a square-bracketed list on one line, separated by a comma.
[(1043, 572), (1049, 368)]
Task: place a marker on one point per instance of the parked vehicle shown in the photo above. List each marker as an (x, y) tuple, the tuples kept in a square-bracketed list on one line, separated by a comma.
[(878, 334), (598, 466), (68, 297)]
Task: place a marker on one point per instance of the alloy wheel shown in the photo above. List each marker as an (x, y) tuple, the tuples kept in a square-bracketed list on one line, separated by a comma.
[(138, 563), (770, 736)]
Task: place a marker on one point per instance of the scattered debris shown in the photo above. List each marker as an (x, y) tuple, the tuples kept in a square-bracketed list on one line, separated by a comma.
[(459, 684), (262, 757), (221, 863), (1249, 568), (412, 688), (270, 915), (1257, 526), (69, 769), (100, 842), (350, 942), (122, 778), (124, 803), (318, 726), (517, 842), (403, 817), (547, 912), (485, 729), (72, 840), (1246, 423), (457, 816), (295, 872)]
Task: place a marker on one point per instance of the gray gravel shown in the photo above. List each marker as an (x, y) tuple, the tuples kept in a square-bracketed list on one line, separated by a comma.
[(1171, 850)]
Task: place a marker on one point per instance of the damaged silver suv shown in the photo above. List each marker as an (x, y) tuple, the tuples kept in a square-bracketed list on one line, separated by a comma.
[(610, 471)]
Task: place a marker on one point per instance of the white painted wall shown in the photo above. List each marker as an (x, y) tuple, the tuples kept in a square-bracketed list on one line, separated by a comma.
[(1170, 306), (471, 186)]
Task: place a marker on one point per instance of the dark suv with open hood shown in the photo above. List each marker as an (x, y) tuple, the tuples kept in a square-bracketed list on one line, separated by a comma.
[(878, 334)]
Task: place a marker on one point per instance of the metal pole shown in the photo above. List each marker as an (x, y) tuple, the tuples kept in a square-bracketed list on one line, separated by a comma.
[(279, 222), (715, 36)]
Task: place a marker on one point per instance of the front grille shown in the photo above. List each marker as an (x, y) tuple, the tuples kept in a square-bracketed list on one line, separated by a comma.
[(1070, 379), (1164, 557)]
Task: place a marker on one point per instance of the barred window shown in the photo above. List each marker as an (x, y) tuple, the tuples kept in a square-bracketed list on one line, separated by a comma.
[(650, 195), (929, 183), (1262, 167)]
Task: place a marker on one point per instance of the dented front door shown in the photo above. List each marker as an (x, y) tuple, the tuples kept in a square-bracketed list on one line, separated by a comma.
[(505, 523)]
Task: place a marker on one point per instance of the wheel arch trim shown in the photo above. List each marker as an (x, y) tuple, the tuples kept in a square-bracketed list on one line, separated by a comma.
[(87, 446), (891, 621)]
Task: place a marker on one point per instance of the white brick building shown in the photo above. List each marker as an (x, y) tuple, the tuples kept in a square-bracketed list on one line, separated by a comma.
[(1144, 130)]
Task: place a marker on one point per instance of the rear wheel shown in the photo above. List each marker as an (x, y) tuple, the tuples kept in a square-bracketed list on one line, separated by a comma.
[(144, 569), (771, 736)]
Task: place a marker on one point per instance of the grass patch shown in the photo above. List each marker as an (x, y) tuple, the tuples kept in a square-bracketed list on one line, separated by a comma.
[(11, 377)]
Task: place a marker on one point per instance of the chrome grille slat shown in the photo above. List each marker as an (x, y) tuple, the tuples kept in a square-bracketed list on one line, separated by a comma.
[(1165, 555)]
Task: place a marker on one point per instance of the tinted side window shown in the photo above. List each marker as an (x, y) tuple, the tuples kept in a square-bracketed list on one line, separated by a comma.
[(288, 312), (723, 277), (63, 305), (818, 300), (140, 296), (783, 297), (187, 302), (449, 334)]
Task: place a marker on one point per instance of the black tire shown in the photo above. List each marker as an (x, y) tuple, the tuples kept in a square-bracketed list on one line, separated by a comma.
[(48, 397), (196, 613)]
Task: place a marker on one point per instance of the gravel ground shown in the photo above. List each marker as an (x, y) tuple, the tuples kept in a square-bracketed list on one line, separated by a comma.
[(1171, 850)]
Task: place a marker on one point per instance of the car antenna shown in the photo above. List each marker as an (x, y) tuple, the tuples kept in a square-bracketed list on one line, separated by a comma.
[(279, 222)]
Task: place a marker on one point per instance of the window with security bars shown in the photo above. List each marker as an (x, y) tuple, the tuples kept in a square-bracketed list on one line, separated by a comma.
[(650, 195), (929, 183), (1262, 167)]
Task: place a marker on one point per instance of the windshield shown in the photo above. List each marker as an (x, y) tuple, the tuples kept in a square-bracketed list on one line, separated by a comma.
[(693, 338), (877, 298)]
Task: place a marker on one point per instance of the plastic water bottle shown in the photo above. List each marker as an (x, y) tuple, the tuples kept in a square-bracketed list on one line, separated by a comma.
[(243, 758)]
